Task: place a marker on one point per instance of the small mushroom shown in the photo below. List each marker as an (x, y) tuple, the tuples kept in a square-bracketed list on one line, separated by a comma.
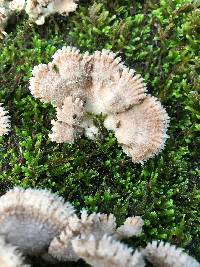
[(4, 121)]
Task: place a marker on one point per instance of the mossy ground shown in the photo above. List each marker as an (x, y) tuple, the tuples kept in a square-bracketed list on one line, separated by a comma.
[(160, 39)]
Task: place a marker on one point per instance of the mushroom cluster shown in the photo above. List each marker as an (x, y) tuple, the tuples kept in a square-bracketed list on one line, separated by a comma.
[(37, 222), (100, 83), (4, 121), (37, 10)]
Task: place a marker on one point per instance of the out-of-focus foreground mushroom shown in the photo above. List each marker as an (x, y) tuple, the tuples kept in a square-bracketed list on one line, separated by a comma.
[(30, 219), (37, 222), (96, 224), (162, 254), (10, 256)]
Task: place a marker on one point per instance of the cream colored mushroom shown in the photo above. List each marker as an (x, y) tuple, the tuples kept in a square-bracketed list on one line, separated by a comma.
[(95, 224), (10, 256), (65, 76), (107, 252), (39, 10), (67, 127), (4, 14), (4, 121), (31, 218), (105, 86), (162, 254), (131, 227), (141, 130), (115, 88)]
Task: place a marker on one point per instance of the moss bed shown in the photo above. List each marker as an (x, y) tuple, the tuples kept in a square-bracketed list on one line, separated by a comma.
[(160, 40)]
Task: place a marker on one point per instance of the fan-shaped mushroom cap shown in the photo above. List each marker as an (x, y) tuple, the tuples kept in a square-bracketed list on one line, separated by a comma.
[(30, 219), (165, 255), (62, 132), (72, 112), (141, 130), (4, 121), (9, 256), (106, 253), (114, 87), (46, 84), (71, 64), (96, 224), (65, 76)]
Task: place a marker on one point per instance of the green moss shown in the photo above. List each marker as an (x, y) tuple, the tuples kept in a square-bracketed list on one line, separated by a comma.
[(160, 39)]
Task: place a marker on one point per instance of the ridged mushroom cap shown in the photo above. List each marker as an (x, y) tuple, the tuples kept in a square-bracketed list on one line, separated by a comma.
[(67, 127), (64, 76), (107, 252), (72, 111), (162, 254), (141, 130), (4, 121), (63, 132), (31, 218), (95, 223), (114, 87), (10, 256)]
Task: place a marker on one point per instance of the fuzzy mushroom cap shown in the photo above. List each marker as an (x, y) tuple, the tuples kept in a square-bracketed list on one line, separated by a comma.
[(67, 127), (162, 254), (90, 130), (71, 112), (63, 132), (95, 223), (106, 252), (141, 130), (65, 6), (4, 121), (9, 256), (30, 219), (105, 86), (65, 76), (114, 87)]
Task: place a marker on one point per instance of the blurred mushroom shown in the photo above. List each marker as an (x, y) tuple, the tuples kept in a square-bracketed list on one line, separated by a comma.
[(31, 218)]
